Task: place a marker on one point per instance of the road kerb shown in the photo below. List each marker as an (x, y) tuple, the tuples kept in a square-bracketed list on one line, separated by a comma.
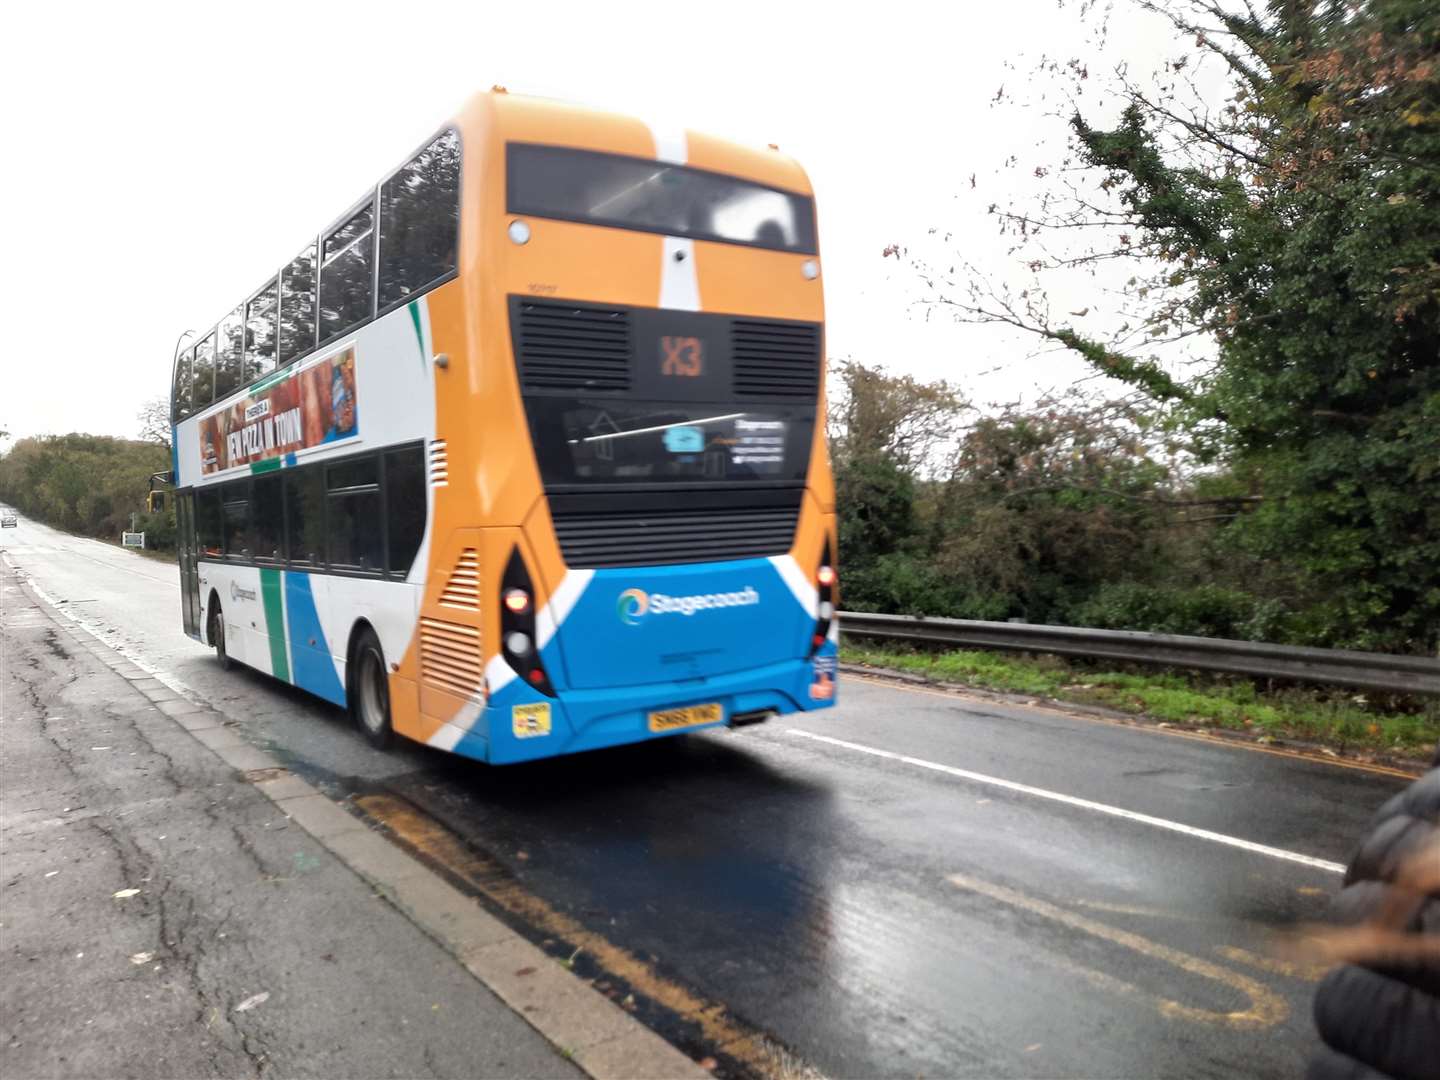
[(534, 984), (199, 721), (634, 1056), (178, 706), (287, 787), (316, 814), (446, 912), (244, 758), (219, 738), (602, 1039)]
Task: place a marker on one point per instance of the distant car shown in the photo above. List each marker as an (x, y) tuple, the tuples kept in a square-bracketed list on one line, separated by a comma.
[(7, 520)]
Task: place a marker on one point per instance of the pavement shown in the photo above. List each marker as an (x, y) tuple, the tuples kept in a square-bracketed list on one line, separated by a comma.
[(917, 883), (176, 904)]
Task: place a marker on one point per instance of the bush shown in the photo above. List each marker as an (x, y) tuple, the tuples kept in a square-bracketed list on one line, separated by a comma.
[(1203, 610)]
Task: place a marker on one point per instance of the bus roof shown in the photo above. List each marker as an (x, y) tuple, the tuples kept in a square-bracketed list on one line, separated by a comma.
[(523, 118)]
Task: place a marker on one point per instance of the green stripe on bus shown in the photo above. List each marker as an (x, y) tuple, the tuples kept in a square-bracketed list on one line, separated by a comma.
[(275, 622), (414, 306), (265, 384), (268, 465)]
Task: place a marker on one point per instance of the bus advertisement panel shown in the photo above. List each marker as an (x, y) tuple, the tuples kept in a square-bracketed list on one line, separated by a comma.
[(308, 407)]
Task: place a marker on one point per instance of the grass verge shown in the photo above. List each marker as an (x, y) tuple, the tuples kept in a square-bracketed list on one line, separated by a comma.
[(1345, 721)]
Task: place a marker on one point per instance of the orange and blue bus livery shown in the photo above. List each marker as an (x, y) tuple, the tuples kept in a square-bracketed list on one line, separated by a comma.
[(525, 454)]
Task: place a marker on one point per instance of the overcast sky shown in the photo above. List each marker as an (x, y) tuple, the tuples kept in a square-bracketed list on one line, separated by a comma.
[(162, 160)]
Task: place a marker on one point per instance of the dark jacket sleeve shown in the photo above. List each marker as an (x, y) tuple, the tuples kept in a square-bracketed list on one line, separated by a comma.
[(1384, 1021)]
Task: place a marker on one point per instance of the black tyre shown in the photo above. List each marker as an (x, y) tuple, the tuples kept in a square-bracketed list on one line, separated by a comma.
[(217, 636), (370, 690)]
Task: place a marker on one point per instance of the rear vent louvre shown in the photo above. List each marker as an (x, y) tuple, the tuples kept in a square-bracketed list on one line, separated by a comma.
[(439, 463), (450, 657), (572, 346), (775, 359), (463, 588), (592, 540)]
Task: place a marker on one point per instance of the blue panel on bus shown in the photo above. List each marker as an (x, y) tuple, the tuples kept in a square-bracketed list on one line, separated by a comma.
[(668, 624), (310, 662)]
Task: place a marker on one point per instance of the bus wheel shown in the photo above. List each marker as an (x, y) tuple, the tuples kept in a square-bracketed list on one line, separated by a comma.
[(217, 636), (370, 690)]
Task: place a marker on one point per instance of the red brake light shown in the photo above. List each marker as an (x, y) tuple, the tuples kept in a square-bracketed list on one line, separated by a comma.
[(517, 601), (825, 575)]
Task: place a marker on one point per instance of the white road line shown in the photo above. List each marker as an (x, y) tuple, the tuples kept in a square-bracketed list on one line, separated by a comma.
[(1084, 804)]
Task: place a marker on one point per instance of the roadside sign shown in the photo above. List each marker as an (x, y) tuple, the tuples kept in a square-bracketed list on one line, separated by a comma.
[(135, 540)]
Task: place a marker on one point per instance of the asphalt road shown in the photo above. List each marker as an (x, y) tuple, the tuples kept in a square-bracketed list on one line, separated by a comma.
[(914, 884)]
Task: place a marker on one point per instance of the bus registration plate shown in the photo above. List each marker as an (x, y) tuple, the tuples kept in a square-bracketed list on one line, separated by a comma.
[(689, 716)]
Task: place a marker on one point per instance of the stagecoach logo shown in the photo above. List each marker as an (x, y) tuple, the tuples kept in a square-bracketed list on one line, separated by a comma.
[(237, 593), (634, 604)]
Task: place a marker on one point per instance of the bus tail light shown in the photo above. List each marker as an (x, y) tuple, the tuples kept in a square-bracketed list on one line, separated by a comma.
[(826, 579), (518, 643)]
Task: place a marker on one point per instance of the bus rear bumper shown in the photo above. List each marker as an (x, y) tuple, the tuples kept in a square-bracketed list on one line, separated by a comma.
[(513, 727)]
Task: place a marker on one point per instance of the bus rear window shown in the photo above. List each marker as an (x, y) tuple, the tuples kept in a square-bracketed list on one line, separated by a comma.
[(588, 441), (652, 196)]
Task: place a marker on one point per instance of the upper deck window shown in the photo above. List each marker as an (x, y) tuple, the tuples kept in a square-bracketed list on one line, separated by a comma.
[(228, 348), (260, 330), (652, 196), (202, 386), (346, 270), (297, 306), (420, 220), (183, 402)]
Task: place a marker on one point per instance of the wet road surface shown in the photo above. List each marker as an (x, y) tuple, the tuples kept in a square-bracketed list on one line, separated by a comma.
[(914, 884)]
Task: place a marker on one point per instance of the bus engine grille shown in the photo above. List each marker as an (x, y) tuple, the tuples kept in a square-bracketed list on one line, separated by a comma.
[(450, 657), (776, 359), (590, 540), (573, 346)]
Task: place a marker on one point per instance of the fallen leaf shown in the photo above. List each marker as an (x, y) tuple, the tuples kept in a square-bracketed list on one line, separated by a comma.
[(523, 856), (255, 999), (525, 971), (123, 893), (708, 1063), (142, 957)]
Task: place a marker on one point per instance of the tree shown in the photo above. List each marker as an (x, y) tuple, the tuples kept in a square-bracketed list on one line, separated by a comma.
[(1291, 234), (885, 433), (85, 483), (154, 417)]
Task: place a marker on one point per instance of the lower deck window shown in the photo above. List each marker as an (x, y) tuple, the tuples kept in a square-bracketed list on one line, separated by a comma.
[(361, 514)]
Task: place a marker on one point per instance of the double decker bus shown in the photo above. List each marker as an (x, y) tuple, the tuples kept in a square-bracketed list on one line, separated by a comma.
[(524, 454)]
